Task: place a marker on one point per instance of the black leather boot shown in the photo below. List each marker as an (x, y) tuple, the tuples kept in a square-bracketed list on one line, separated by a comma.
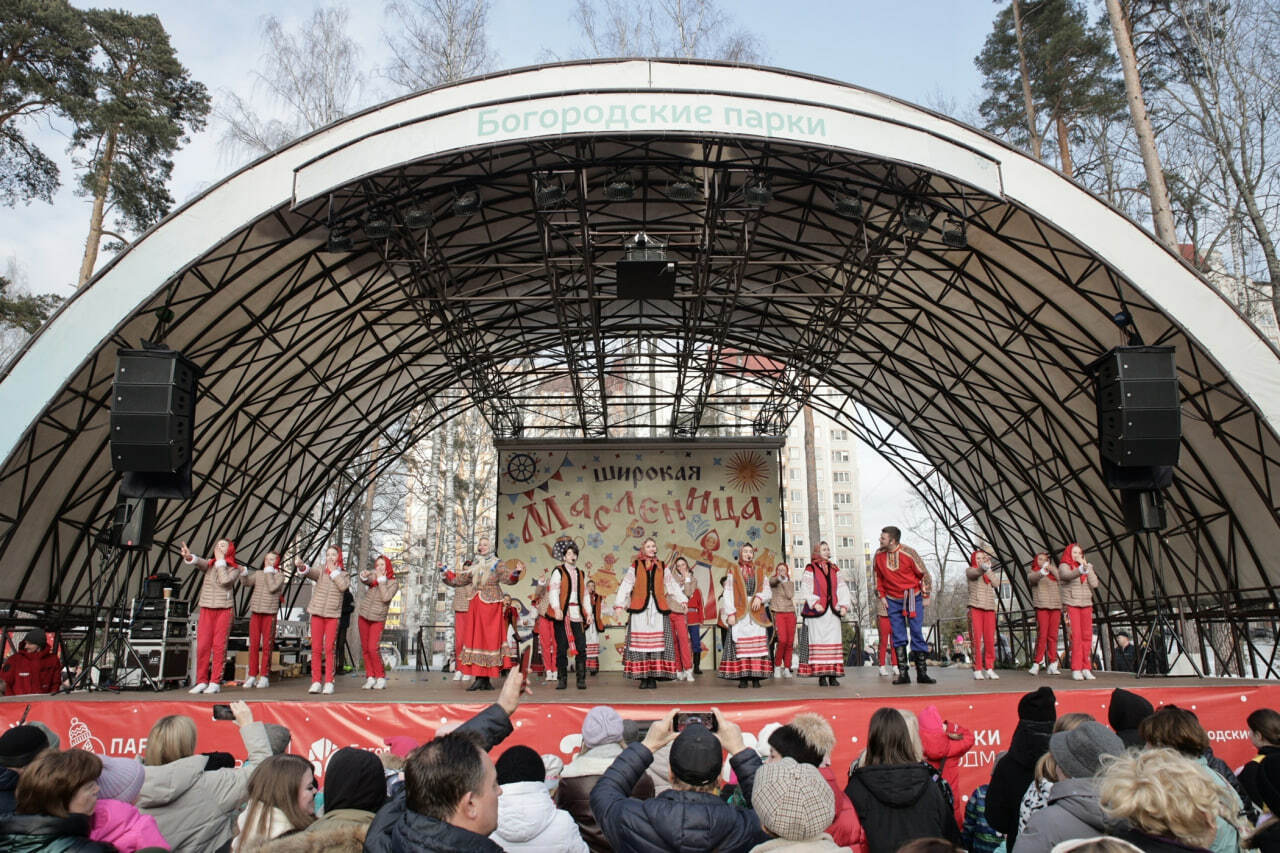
[(922, 670), (562, 681), (742, 684), (475, 685), (697, 665), (581, 675), (822, 681), (831, 681), (755, 682), (904, 668)]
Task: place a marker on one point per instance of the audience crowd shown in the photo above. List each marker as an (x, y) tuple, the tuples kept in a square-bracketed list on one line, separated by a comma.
[(1146, 780)]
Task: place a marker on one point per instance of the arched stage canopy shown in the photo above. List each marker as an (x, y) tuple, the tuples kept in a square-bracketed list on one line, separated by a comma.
[(789, 203)]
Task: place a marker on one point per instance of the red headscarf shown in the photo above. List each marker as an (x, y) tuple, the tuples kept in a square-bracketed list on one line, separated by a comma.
[(339, 550), (1035, 564), (816, 557), (1070, 561), (230, 558), (973, 564), (390, 572)]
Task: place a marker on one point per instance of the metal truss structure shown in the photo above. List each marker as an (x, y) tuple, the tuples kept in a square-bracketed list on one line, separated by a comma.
[(947, 325)]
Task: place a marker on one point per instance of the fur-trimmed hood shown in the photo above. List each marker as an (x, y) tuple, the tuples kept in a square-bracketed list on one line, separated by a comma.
[(334, 833)]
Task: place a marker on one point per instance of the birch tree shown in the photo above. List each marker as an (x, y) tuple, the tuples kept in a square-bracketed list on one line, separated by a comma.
[(433, 42)]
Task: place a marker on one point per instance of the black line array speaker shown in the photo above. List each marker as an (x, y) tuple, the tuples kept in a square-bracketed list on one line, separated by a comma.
[(646, 279), (1139, 420), (152, 409)]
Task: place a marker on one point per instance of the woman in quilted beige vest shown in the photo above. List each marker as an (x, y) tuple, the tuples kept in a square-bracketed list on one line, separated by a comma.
[(216, 600), (1047, 600), (264, 604), (325, 609), (984, 583), (1076, 581), (371, 614)]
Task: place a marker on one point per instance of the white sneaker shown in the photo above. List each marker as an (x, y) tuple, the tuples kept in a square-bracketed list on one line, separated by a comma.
[(199, 688), (250, 682), (262, 681), (1089, 676), (1077, 675), (777, 672), (786, 671), (314, 688), (466, 677), (884, 670), (1053, 669), (991, 673), (457, 675), (328, 688), (551, 676), (380, 684), (368, 683), (977, 675), (214, 687), (1035, 668)]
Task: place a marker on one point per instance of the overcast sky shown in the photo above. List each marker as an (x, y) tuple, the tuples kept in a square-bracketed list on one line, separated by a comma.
[(921, 51)]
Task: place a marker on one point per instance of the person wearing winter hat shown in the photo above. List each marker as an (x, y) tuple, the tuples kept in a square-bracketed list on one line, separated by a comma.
[(381, 587), (1014, 772), (602, 742), (19, 746), (795, 805), (1125, 712), (116, 820), (216, 603), (1037, 795), (332, 582), (354, 790), (527, 817), (278, 737), (1074, 810), (33, 669), (809, 739)]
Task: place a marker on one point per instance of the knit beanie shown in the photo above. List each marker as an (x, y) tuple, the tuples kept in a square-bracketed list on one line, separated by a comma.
[(121, 779), (602, 725), (55, 742), (792, 800), (1079, 752), (1125, 712), (36, 637), (1038, 706), (520, 764), (20, 744), (354, 779), (278, 737)]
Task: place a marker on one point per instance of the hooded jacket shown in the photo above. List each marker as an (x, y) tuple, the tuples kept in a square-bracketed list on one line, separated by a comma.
[(1125, 712), (1013, 774), (899, 802), (845, 829), (124, 827), (339, 831), (1073, 812), (580, 776), (196, 809), (529, 821), (944, 752), (8, 785), (42, 833), (674, 820)]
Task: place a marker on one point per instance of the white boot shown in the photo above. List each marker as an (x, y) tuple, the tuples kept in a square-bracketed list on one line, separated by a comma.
[(328, 688), (199, 688), (1053, 669), (1077, 675), (262, 681), (368, 683), (884, 670), (314, 688), (977, 675), (1035, 668), (380, 684), (991, 673), (214, 687), (1089, 676), (457, 675)]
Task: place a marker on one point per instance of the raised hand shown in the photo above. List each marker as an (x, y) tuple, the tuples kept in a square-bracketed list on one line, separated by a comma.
[(186, 552)]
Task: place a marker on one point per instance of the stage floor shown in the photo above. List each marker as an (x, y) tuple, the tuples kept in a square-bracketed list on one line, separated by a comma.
[(408, 686)]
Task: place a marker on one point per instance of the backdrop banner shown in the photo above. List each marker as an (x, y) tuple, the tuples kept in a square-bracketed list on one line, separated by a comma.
[(320, 728), (700, 500)]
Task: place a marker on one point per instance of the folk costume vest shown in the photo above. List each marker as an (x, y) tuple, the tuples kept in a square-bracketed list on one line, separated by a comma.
[(651, 580)]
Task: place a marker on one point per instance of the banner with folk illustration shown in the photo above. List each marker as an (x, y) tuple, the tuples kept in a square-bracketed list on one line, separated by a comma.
[(699, 500)]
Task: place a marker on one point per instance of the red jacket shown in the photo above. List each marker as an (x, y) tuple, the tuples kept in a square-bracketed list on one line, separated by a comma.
[(694, 614), (945, 752), (26, 673), (846, 829), (908, 576)]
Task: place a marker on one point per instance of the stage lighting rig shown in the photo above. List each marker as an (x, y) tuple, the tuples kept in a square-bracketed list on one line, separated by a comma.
[(418, 217), (849, 204), (684, 187), (955, 233), (341, 242), (466, 202), (915, 217), (620, 187), (758, 191), (548, 190), (377, 226)]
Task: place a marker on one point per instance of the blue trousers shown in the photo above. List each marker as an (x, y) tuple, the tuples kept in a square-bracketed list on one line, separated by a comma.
[(695, 639), (900, 622)]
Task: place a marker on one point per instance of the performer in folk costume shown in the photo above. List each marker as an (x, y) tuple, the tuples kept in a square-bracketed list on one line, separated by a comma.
[(511, 619), (595, 628), (1076, 581), (901, 582), (264, 605), (216, 600), (984, 585), (569, 611), (886, 637), (826, 599), (542, 626), (682, 576), (783, 606), (693, 620), (463, 591), (1046, 597), (325, 609), (645, 593), (482, 655), (371, 614), (746, 655)]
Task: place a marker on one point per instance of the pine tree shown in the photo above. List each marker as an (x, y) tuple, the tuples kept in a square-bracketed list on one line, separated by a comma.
[(146, 103), (1070, 68)]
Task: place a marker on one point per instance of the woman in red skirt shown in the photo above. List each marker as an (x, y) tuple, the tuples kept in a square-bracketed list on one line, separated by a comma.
[(482, 655), (646, 588)]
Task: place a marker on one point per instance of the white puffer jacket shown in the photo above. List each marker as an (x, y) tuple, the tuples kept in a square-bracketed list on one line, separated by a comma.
[(529, 821)]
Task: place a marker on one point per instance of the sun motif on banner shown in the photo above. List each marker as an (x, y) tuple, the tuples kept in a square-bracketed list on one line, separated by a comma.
[(748, 471)]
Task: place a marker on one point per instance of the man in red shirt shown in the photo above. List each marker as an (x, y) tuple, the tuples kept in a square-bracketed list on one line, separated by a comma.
[(901, 583), (32, 669)]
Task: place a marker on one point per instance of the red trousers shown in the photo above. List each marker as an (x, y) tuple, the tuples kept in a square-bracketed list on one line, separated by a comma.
[(886, 641), (461, 630), (784, 626), (211, 643), (547, 641), (1047, 621), (324, 639), (982, 629), (370, 634), (262, 634), (684, 652), (1081, 637)]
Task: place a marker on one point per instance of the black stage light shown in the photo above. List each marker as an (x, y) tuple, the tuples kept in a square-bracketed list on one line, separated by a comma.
[(954, 233), (418, 217), (548, 190), (916, 218), (1123, 319), (757, 192), (684, 188), (340, 241), (466, 202), (377, 227), (849, 204), (619, 187)]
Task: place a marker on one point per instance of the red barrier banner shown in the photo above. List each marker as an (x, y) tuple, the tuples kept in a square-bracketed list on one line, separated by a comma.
[(320, 728)]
